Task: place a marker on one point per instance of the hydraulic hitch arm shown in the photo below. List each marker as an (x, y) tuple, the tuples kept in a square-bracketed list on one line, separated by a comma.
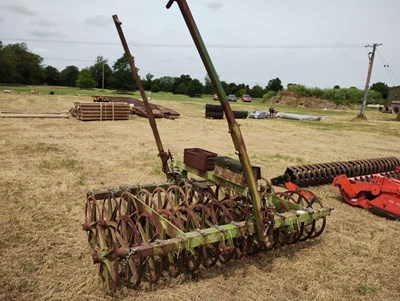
[(161, 153)]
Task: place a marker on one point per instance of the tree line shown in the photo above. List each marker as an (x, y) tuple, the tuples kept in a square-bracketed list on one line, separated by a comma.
[(18, 65), (377, 93)]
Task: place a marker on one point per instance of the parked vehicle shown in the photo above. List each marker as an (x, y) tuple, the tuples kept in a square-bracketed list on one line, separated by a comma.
[(246, 98), (232, 97)]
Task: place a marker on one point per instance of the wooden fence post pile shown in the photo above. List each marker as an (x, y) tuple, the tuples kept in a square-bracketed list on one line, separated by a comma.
[(102, 111)]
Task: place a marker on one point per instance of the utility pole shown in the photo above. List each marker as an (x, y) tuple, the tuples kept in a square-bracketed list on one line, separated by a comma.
[(102, 80), (371, 63)]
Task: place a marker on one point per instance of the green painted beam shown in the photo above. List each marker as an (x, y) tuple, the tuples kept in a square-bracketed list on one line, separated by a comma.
[(209, 176), (190, 240)]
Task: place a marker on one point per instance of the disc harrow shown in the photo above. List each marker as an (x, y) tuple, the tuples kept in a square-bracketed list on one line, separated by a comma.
[(210, 210), (324, 173), (141, 234)]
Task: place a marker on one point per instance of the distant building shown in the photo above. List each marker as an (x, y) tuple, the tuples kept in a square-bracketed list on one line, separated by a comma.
[(392, 104), (394, 95)]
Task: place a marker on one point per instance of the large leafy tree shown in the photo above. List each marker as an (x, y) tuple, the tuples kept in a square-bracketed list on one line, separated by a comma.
[(166, 83), (96, 72), (181, 89), (148, 81), (69, 75), (19, 65), (7, 70), (122, 77), (85, 80), (208, 86), (183, 80), (382, 88), (195, 88), (155, 87), (241, 89), (52, 75), (274, 85), (257, 91)]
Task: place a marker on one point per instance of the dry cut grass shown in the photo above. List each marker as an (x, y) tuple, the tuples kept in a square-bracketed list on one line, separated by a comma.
[(47, 166)]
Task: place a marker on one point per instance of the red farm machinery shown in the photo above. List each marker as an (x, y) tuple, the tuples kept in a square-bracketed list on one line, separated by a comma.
[(373, 184)]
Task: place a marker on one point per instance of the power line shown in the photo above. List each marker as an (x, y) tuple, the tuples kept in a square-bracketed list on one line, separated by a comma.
[(170, 45), (388, 69)]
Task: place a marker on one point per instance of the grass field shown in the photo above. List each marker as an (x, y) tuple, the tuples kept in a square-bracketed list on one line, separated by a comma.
[(48, 165)]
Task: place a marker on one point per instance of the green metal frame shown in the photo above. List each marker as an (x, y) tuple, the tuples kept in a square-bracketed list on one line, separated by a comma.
[(233, 126), (175, 239), (189, 240)]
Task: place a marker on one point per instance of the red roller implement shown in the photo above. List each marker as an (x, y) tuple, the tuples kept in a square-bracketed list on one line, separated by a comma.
[(377, 193)]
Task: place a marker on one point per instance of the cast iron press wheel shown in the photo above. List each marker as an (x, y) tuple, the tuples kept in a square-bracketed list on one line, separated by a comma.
[(152, 266), (214, 108), (127, 236), (240, 114), (214, 115)]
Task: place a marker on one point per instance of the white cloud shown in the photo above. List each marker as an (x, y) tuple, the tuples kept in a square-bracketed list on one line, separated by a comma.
[(98, 20), (214, 5), (20, 9), (43, 23), (46, 34)]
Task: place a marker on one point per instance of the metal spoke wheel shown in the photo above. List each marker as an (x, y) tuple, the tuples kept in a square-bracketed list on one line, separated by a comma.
[(127, 206), (109, 208), (130, 268), (222, 216), (152, 266), (187, 221), (160, 199), (177, 196), (210, 252), (103, 247), (173, 262)]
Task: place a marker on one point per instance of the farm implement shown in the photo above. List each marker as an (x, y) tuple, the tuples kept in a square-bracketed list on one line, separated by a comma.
[(210, 209), (379, 193), (324, 173), (373, 184)]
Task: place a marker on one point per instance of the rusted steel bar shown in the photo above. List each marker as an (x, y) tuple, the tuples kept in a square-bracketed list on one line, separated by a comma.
[(234, 129), (163, 155)]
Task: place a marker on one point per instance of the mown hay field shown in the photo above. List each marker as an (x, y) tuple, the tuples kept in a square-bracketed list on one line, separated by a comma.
[(48, 165)]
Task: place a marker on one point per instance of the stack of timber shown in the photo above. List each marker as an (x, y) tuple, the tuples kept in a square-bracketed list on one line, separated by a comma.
[(101, 111), (32, 114), (137, 107)]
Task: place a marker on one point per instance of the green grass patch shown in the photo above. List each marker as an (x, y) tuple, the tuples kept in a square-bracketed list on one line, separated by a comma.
[(391, 130), (41, 148), (60, 90), (276, 157), (366, 288), (59, 164)]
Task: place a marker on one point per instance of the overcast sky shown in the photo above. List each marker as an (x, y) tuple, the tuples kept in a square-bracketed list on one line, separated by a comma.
[(260, 39)]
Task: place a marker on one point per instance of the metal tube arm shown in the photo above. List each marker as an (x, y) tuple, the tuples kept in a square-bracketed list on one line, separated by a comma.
[(234, 129), (161, 153)]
